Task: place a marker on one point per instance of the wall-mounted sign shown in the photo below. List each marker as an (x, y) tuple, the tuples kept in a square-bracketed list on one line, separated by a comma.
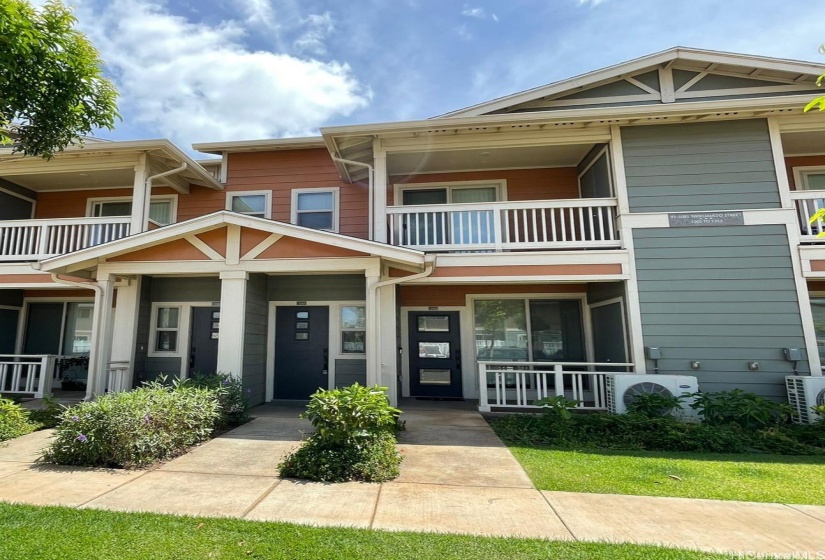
[(703, 219)]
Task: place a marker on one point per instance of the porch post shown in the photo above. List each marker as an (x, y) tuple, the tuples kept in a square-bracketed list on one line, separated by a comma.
[(232, 322), (380, 180), (124, 331), (373, 342), (140, 197), (387, 341), (100, 348)]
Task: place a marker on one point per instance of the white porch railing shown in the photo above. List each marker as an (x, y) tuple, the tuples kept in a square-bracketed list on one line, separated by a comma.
[(28, 240), (26, 374), (520, 384), (503, 226), (807, 203), (117, 377)]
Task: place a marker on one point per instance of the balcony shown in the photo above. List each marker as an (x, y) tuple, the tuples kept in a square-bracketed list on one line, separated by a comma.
[(32, 240), (506, 226)]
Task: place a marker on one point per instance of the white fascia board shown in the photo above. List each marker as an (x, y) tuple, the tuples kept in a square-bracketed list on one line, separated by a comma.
[(260, 145), (574, 115), (539, 258), (635, 65), (218, 219)]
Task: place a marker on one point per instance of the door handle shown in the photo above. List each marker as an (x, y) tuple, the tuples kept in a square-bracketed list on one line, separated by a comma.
[(192, 357), (458, 359), (326, 362)]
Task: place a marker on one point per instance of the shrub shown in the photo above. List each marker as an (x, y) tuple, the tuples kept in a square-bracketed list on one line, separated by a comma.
[(354, 438), (234, 405), (374, 459), (559, 406), (49, 415), (135, 428), (638, 432), (740, 407), (819, 410), (14, 420), (654, 405)]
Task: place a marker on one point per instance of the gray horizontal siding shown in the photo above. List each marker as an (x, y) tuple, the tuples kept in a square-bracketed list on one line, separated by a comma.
[(349, 371), (255, 332), (340, 287), (723, 296), (700, 166), (186, 289)]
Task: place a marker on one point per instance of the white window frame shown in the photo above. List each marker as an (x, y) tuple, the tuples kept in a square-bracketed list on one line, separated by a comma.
[(335, 205), (605, 151), (499, 184), (267, 201), (172, 198), (800, 175), (342, 330), (184, 317)]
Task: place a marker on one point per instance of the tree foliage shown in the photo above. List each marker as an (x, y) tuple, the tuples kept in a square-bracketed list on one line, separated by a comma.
[(52, 89), (819, 101)]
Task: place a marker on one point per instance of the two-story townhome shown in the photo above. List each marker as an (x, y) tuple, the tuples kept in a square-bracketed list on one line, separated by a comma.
[(650, 217)]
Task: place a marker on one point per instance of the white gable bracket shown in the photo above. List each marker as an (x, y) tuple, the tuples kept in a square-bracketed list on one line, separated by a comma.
[(666, 84)]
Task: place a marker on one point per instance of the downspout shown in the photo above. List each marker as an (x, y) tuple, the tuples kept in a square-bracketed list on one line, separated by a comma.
[(99, 292), (144, 217), (430, 263), (370, 180)]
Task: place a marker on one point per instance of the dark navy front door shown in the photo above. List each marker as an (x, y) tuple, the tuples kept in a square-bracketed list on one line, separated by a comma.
[(435, 354), (301, 351)]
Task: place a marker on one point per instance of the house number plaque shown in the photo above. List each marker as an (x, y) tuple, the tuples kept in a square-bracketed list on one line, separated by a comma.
[(703, 219)]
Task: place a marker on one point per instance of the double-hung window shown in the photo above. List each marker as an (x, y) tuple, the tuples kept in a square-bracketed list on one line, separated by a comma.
[(161, 209), (167, 329), (315, 208), (353, 329), (257, 204)]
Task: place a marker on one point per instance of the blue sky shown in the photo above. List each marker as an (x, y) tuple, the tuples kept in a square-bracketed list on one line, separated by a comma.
[(213, 70)]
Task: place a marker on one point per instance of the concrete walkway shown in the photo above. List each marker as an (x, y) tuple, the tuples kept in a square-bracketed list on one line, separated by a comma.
[(457, 477)]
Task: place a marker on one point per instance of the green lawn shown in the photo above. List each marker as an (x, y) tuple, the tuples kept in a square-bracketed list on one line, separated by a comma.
[(748, 477), (33, 533)]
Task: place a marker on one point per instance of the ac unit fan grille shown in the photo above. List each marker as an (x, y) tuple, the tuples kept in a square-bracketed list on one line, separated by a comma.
[(820, 398), (644, 388)]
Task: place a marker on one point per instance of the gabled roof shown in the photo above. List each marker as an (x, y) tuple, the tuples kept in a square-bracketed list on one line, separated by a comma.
[(756, 66), (90, 257)]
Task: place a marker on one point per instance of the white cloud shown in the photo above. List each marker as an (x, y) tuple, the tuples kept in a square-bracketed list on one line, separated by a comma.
[(318, 27), (258, 12), (592, 3), (196, 82), (479, 13)]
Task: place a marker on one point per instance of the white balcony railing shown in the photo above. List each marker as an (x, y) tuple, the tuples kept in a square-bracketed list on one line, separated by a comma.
[(26, 375), (505, 226), (520, 384), (807, 203), (28, 240)]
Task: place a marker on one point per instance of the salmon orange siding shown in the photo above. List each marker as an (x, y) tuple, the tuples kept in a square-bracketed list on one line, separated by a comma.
[(72, 204), (281, 172), (456, 295), (818, 266), (801, 161), (25, 279), (177, 250), (551, 183), (250, 238), (216, 239), (529, 270), (294, 248)]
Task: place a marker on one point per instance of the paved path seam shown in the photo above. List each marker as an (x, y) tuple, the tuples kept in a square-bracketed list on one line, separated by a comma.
[(260, 498), (141, 475), (793, 507), (563, 522), (375, 509)]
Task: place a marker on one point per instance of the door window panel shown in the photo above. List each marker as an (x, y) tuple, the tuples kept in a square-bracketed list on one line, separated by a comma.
[(434, 323), (434, 376), (434, 350)]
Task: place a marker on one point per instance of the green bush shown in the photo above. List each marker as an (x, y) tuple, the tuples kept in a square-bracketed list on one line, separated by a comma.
[(654, 405), (14, 420), (736, 406), (354, 438), (234, 404), (374, 459), (135, 428), (49, 415), (559, 406), (819, 410), (638, 432)]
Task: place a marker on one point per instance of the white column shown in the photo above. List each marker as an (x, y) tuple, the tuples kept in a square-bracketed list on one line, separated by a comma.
[(373, 329), (124, 331), (380, 181), (141, 197), (99, 355), (387, 341), (233, 322)]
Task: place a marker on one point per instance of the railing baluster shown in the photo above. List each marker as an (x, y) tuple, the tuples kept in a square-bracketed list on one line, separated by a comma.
[(562, 224), (581, 225)]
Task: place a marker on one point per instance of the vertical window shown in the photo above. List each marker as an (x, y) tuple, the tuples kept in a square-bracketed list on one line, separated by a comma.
[(255, 203), (167, 327), (353, 329), (315, 208)]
